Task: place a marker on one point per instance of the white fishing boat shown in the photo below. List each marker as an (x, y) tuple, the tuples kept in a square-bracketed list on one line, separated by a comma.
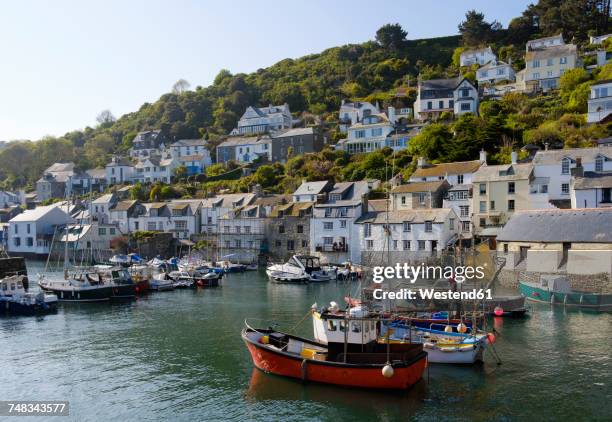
[(300, 269)]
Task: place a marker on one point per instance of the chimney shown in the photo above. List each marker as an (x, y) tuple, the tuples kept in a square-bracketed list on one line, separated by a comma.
[(545, 146), (514, 157), (483, 157), (578, 171), (364, 203), (391, 114), (421, 162)]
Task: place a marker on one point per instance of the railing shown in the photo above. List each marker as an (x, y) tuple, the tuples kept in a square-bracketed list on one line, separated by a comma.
[(331, 248)]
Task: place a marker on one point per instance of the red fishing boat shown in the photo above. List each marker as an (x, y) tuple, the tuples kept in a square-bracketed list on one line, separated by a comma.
[(358, 361)]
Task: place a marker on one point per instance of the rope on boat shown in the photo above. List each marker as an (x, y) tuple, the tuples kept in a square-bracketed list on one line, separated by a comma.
[(302, 320)]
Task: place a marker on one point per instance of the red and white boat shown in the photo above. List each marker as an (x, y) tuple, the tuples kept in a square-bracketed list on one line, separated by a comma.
[(356, 361)]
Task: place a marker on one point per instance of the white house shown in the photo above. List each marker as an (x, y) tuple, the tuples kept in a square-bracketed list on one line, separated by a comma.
[(101, 206), (186, 216), (125, 214), (418, 233), (455, 95), (367, 135), (264, 119), (600, 101), (459, 199), (155, 169), (598, 39), (353, 112), (544, 43), (479, 56), (312, 191), (9, 199), (333, 233), (191, 153), (119, 171), (592, 190), (215, 208), (244, 149), (553, 168), (31, 232), (495, 71)]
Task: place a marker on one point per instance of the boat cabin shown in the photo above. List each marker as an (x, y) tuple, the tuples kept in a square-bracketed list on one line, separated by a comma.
[(335, 326), (555, 283), (12, 286), (308, 263)]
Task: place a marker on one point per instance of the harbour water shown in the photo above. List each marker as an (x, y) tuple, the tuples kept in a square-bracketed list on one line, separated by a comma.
[(178, 356)]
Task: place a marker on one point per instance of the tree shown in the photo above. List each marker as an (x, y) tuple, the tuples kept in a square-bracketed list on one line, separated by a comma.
[(265, 176), (475, 31), (105, 118), (137, 192), (180, 86), (180, 172), (391, 37)]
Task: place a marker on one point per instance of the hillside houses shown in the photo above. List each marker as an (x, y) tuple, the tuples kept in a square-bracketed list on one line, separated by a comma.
[(545, 66), (480, 56), (256, 120), (455, 95)]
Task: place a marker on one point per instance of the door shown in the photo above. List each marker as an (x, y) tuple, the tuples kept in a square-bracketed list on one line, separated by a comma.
[(434, 247), (566, 247), (523, 253)]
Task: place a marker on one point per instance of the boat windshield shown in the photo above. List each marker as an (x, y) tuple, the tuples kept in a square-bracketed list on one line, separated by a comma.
[(310, 262)]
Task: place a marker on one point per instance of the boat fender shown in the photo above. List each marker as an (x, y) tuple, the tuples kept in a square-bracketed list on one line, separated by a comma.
[(388, 371), (462, 328), (448, 329), (304, 368)]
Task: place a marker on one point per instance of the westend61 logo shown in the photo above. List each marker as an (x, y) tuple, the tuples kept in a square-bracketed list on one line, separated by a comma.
[(412, 273), (458, 274)]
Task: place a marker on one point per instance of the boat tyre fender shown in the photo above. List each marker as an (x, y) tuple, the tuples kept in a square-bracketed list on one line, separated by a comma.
[(304, 368)]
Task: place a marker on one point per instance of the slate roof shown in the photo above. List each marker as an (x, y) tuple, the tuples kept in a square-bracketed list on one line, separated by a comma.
[(36, 213), (451, 83), (554, 156), (311, 188), (291, 209), (243, 140), (587, 225), (420, 187), (593, 180), (104, 199), (550, 52), (300, 131), (189, 143), (503, 172), (459, 167), (124, 205)]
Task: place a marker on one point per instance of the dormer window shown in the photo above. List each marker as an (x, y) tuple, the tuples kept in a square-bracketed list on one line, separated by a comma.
[(565, 166), (599, 163)]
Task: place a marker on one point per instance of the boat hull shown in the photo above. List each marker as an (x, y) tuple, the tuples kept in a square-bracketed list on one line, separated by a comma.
[(16, 308), (599, 302), (346, 375), (98, 294), (124, 291)]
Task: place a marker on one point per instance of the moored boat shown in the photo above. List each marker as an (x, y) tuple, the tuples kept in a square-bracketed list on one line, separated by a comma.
[(556, 290), (364, 365), (161, 282), (300, 269), (82, 286), (15, 300)]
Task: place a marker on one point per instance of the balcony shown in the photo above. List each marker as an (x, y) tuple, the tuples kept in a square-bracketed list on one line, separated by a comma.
[(331, 248)]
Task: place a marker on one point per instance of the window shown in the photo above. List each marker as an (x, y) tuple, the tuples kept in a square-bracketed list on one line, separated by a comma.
[(565, 188), (501, 71), (598, 167), (238, 229), (483, 222), (429, 105), (238, 243), (549, 62), (367, 230), (247, 229), (328, 225), (369, 244), (406, 245), (406, 226), (451, 223), (281, 228), (421, 245), (17, 241), (343, 224), (465, 92), (492, 205), (28, 228), (328, 240), (464, 211), (395, 245), (483, 188), (136, 225), (466, 107), (563, 60), (360, 134), (111, 231), (451, 103), (511, 187), (422, 198), (536, 75), (565, 166), (428, 227), (483, 206), (180, 225), (290, 245), (535, 63), (226, 229), (16, 228), (377, 131), (510, 204), (440, 104), (328, 212), (208, 220), (403, 203), (304, 243), (30, 241), (300, 229), (101, 231), (465, 226), (460, 179), (151, 226), (505, 248)]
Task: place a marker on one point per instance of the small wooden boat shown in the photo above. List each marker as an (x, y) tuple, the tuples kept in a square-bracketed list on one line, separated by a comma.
[(367, 365), (555, 289)]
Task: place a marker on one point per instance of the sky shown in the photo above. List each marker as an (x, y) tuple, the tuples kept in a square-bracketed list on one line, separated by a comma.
[(63, 62)]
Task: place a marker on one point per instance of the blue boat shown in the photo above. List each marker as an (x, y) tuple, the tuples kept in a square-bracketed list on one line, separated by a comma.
[(555, 289)]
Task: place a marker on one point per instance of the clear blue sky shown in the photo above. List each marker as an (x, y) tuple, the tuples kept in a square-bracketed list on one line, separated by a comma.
[(65, 61)]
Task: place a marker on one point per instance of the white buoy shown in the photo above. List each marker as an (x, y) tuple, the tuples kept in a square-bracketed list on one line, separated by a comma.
[(448, 329), (388, 371), (461, 327)]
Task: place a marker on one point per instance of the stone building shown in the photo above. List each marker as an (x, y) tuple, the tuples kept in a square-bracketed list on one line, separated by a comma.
[(288, 230)]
